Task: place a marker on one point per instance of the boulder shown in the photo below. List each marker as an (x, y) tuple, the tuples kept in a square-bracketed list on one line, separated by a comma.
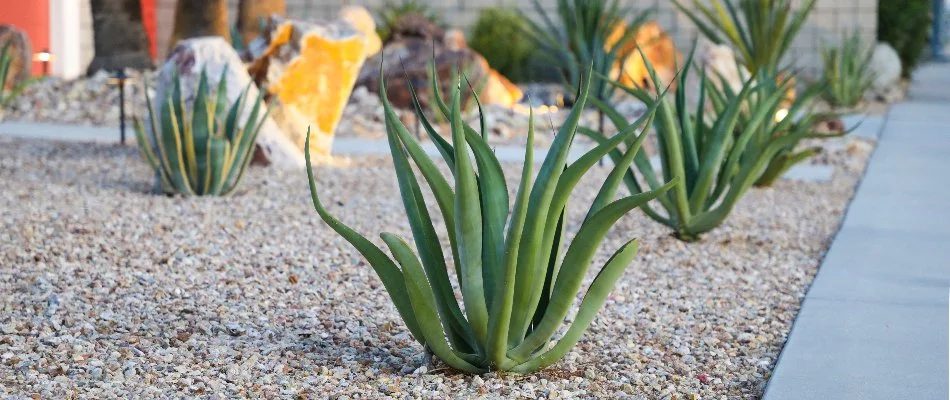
[(657, 47), (310, 70), (886, 66), (215, 56), (360, 18), (21, 67), (406, 57)]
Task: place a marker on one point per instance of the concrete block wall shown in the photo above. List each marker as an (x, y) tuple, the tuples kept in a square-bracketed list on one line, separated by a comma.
[(828, 22)]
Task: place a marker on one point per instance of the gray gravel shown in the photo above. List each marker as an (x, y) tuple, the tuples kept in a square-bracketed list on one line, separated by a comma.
[(108, 291)]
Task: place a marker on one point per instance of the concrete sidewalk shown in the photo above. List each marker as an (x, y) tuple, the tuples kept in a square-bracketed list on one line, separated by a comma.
[(874, 324)]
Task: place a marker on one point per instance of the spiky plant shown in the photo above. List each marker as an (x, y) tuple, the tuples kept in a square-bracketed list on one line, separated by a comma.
[(203, 149), (517, 281), (6, 60), (790, 120), (714, 158), (392, 11), (760, 31), (581, 34), (847, 75)]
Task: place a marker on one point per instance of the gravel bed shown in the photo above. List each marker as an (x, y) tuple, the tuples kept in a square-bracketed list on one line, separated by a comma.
[(109, 291)]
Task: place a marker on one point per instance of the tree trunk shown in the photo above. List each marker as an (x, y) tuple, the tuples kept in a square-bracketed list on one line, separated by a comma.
[(120, 38), (197, 18), (250, 13)]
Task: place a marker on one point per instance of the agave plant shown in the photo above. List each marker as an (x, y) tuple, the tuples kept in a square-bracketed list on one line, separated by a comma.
[(203, 150), (760, 31), (788, 120), (517, 282), (583, 35), (847, 74), (714, 157), (6, 59)]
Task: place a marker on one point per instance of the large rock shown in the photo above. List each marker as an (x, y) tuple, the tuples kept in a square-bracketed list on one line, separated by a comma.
[(22, 64), (886, 66), (215, 56), (120, 39), (406, 57), (657, 46), (310, 69), (361, 19)]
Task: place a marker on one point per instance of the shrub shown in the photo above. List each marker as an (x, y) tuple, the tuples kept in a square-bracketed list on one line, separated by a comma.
[(582, 35), (905, 25), (517, 287), (760, 31), (715, 159), (204, 150), (499, 36), (847, 74)]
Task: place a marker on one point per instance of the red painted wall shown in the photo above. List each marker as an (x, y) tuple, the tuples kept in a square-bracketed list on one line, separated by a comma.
[(151, 27), (32, 16)]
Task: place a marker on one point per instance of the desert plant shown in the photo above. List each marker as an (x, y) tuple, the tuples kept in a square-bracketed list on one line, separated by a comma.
[(789, 119), (715, 159), (391, 12), (516, 287), (847, 75), (905, 25), (6, 60), (204, 150), (760, 31), (582, 34), (498, 35)]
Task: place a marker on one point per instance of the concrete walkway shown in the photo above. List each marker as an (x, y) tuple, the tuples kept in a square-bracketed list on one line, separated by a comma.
[(874, 324)]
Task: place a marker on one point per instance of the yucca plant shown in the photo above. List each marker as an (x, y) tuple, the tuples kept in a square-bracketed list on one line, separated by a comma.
[(516, 279), (581, 34), (203, 149), (715, 158), (847, 75), (794, 119), (760, 31)]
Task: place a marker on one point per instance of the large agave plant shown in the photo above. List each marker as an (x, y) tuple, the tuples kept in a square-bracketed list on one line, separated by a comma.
[(516, 279), (760, 31), (791, 120), (203, 149), (580, 35), (715, 158), (847, 73)]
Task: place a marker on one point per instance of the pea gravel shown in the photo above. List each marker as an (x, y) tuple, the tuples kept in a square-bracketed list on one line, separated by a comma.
[(109, 291)]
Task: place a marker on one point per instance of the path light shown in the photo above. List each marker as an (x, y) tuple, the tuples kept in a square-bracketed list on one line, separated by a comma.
[(44, 57), (119, 80), (781, 114)]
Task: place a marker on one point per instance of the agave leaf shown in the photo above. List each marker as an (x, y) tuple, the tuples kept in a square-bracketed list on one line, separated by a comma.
[(385, 268)]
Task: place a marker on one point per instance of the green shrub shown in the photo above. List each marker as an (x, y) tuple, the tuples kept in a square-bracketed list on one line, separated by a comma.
[(391, 12), (516, 279), (204, 150), (760, 31), (499, 36), (578, 37), (714, 158), (847, 74), (905, 25)]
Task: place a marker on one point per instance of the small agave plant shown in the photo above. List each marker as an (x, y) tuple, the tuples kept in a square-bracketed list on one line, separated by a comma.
[(203, 150), (517, 275)]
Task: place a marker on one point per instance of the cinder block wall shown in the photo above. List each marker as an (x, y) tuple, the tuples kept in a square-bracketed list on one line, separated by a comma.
[(828, 22)]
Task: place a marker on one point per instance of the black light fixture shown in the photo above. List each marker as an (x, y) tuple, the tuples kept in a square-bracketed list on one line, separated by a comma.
[(119, 80), (44, 57)]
